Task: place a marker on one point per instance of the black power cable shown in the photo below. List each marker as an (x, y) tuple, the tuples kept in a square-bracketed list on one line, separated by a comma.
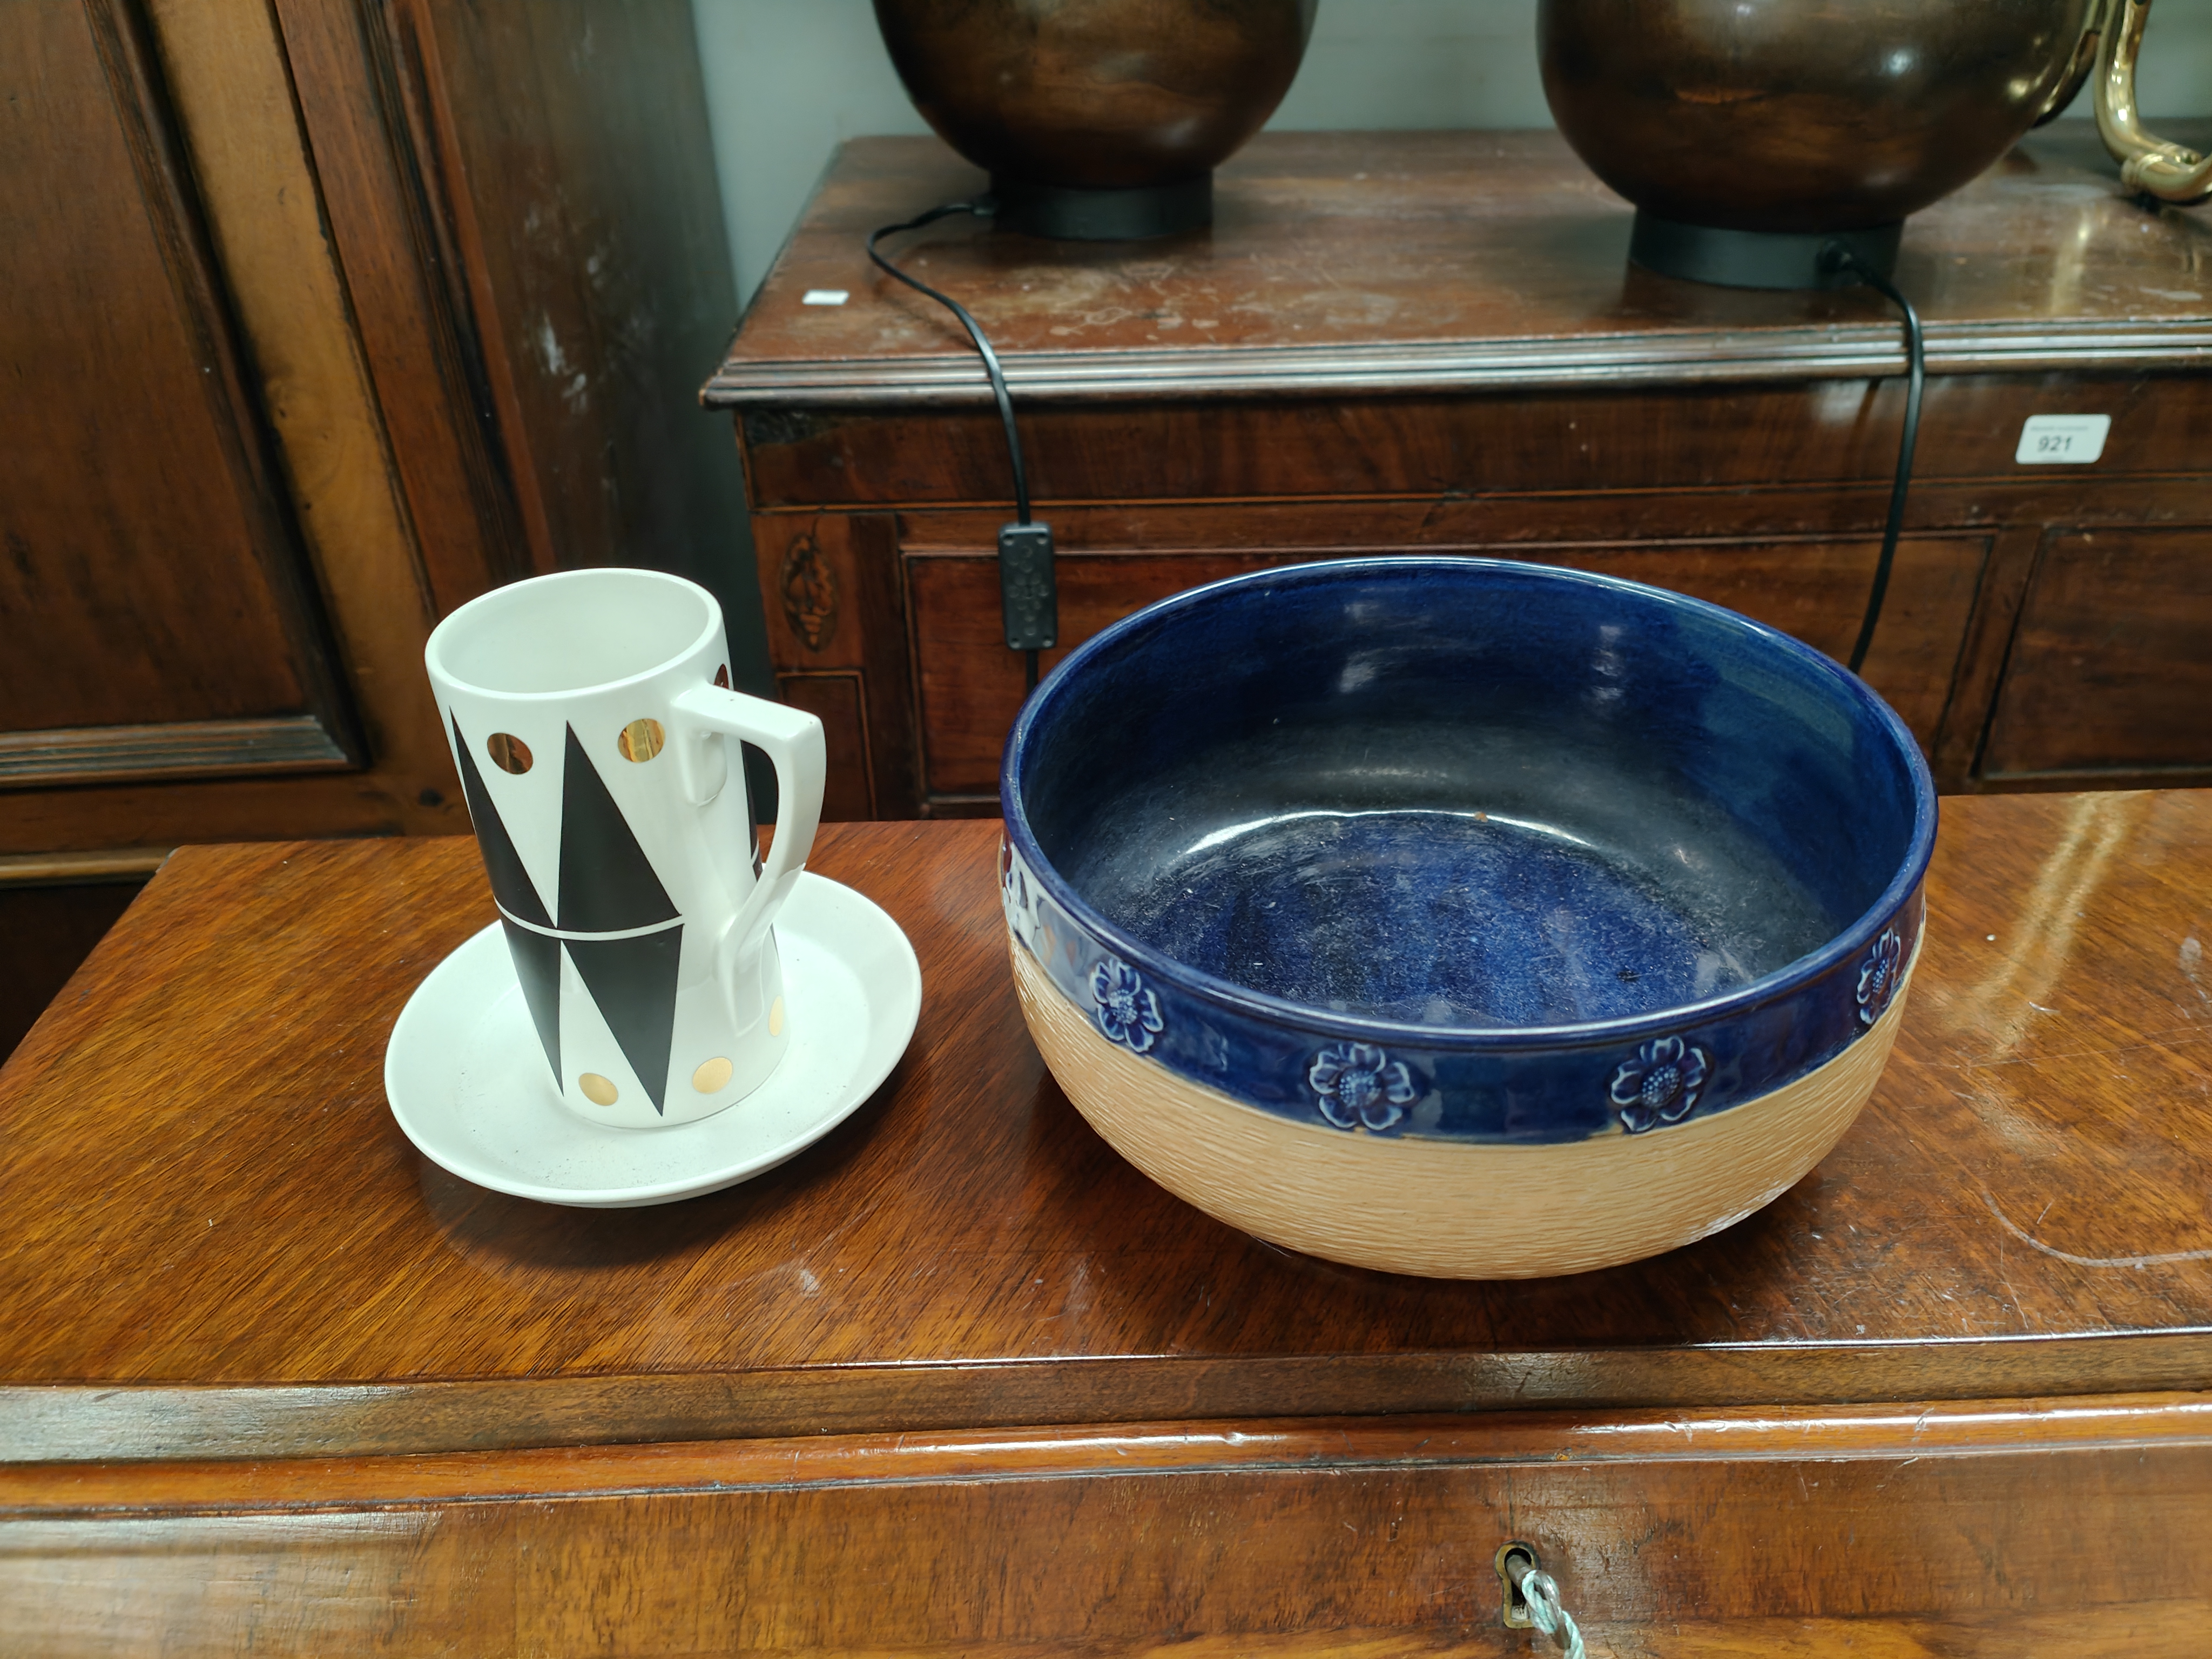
[(1836, 257), (1026, 586), (1027, 595)]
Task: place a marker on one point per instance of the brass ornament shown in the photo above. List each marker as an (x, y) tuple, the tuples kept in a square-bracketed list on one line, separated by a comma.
[(2156, 167)]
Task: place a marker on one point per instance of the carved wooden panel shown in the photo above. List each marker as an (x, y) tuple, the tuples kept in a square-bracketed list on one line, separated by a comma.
[(839, 701), (970, 685), (837, 636), (2110, 669), (159, 613), (253, 450)]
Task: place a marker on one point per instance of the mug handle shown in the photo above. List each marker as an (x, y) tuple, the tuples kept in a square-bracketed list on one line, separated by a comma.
[(791, 739), (2170, 171)]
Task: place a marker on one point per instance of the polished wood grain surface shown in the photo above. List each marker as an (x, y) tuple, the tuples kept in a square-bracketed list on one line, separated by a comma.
[(410, 327), (273, 1383), (228, 74), (222, 1246), (1107, 96), (1405, 260), (1762, 444), (1745, 1434)]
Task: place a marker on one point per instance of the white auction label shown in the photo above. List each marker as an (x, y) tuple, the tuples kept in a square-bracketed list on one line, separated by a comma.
[(824, 296), (2061, 440)]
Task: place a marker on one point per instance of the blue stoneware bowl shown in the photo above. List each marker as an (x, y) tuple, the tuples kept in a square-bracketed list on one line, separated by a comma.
[(1459, 917)]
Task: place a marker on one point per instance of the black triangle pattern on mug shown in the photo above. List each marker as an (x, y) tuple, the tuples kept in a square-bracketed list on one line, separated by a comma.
[(538, 965), (633, 982), (510, 881), (607, 883)]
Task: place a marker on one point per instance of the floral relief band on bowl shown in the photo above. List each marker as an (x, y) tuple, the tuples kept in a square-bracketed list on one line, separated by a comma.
[(1562, 1094), (1358, 1085), (1128, 1013), (1879, 975), (1660, 1082)]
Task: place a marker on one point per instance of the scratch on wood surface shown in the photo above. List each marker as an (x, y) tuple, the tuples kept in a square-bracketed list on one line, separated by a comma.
[(2034, 1242)]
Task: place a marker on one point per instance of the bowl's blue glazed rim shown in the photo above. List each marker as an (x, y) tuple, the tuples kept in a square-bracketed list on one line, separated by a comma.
[(1782, 984)]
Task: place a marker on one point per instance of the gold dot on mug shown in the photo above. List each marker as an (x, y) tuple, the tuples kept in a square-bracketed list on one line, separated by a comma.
[(598, 1090), (713, 1075), (641, 740), (508, 752), (776, 1018)]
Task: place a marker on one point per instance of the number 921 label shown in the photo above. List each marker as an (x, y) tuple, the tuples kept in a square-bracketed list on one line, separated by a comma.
[(2061, 440)]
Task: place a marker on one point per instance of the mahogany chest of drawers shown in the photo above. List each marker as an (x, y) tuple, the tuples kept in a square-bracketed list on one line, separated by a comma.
[(1434, 340)]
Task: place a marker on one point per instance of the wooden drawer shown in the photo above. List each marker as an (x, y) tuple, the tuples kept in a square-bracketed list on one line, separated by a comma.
[(969, 685), (2081, 1527), (2110, 670), (1810, 435)]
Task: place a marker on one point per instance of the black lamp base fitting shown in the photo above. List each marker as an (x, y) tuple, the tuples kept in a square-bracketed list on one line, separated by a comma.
[(1759, 258)]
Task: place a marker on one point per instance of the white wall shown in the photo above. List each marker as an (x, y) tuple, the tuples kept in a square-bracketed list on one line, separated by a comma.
[(787, 80)]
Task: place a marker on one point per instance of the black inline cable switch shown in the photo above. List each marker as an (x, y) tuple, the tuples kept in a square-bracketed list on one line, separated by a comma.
[(1026, 590)]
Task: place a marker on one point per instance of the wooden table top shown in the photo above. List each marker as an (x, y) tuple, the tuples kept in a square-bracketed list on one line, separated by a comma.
[(219, 1242), (1405, 261)]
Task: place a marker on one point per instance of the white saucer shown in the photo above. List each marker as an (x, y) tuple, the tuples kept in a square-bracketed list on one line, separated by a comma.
[(467, 1079)]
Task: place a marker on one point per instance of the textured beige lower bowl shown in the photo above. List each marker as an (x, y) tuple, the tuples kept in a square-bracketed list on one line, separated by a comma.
[(1446, 1209)]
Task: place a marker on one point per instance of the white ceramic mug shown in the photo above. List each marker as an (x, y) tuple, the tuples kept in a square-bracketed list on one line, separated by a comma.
[(593, 721)]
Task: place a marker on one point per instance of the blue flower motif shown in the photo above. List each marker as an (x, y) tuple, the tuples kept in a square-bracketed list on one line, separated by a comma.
[(1128, 1013), (1660, 1084), (1359, 1084), (1878, 976)]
